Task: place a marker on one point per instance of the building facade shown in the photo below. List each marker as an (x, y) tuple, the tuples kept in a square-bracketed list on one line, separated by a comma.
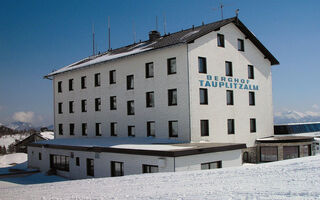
[(209, 84)]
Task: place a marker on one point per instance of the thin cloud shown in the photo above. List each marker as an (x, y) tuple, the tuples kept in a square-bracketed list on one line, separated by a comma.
[(24, 117), (315, 106)]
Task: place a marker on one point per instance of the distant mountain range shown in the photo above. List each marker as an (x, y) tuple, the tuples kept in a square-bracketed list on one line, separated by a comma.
[(291, 116), (23, 126)]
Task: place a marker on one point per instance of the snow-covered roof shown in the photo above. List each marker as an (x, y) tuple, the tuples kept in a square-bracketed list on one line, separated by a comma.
[(48, 135), (181, 37)]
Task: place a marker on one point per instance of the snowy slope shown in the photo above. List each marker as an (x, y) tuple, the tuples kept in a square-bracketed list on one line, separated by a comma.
[(15, 158), (6, 140), (290, 179)]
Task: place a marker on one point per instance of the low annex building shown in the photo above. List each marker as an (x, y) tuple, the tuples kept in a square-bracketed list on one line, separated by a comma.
[(194, 99)]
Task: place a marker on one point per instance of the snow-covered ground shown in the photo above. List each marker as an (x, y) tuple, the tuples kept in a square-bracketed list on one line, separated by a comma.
[(289, 179), (14, 158)]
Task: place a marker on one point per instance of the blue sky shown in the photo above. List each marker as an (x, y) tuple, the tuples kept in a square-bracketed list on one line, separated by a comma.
[(39, 36)]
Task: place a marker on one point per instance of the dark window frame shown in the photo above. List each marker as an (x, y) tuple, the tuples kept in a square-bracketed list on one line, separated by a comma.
[(170, 127), (71, 128), (130, 82), (231, 126), (60, 162), (97, 80), (60, 108), (83, 105), (83, 82), (71, 84), (250, 72), (90, 167), (253, 125), (149, 129), (112, 77), (169, 67), (40, 156), (130, 132), (240, 44), (220, 40), (59, 86), (150, 99), (230, 97), (60, 129), (229, 68), (148, 71), (210, 165), (77, 161), (84, 129), (204, 127), (171, 94), (115, 173), (113, 103), (203, 91), (98, 129), (252, 99), (202, 65), (97, 104), (150, 168), (113, 129), (130, 107), (71, 107)]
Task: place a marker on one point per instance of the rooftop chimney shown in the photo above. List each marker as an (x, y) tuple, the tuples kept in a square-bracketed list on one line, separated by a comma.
[(153, 35)]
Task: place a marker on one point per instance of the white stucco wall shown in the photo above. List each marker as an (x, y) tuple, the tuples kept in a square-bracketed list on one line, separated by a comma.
[(160, 83), (217, 111), (132, 163)]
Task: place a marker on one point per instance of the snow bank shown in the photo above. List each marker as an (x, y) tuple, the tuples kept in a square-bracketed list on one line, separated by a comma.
[(15, 158), (289, 179), (6, 140), (47, 135)]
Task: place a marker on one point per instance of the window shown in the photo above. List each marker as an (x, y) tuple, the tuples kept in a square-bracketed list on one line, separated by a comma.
[(220, 40), (98, 104), (202, 62), (173, 128), (71, 129), (59, 162), (112, 76), (150, 169), (211, 165), (228, 68), (252, 100), (151, 129), (90, 167), (84, 129), (77, 161), (71, 107), (70, 84), (60, 87), (60, 129), (84, 105), (40, 156), (149, 99), (131, 131), (204, 126), (130, 107), (203, 96), (229, 97), (240, 45), (250, 72), (83, 82), (149, 70), (253, 127), (60, 108), (172, 66), (97, 80), (116, 169), (98, 129), (130, 82), (290, 152), (113, 103), (172, 97), (268, 154), (230, 126), (113, 128)]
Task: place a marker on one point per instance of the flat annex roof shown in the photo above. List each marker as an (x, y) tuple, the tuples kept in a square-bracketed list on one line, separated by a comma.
[(138, 146), (285, 139)]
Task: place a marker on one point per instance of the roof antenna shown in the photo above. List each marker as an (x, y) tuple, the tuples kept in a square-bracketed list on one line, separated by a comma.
[(134, 32), (221, 6), (164, 23), (93, 39), (237, 12), (156, 23), (109, 34)]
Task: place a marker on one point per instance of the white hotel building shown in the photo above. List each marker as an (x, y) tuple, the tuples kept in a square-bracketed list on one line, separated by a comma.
[(194, 99)]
